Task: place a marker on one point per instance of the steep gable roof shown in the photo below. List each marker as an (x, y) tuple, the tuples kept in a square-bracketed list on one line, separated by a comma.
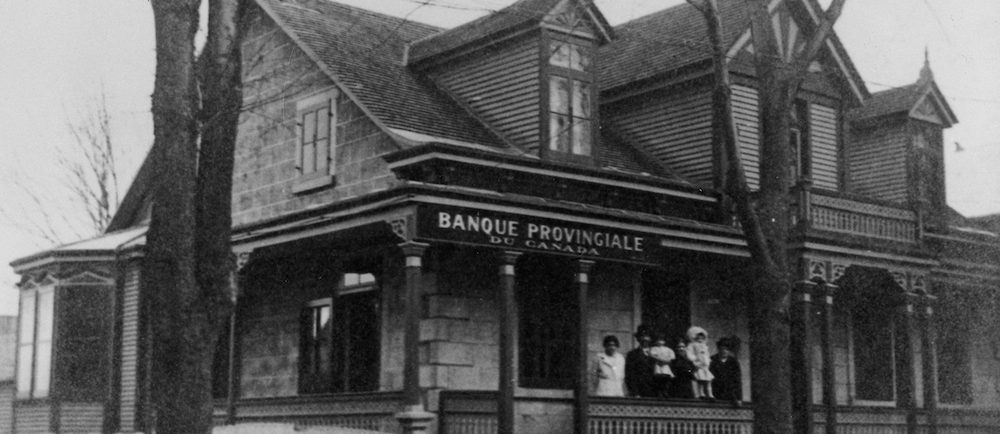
[(677, 37), (910, 99), (362, 51), (512, 18), (664, 41)]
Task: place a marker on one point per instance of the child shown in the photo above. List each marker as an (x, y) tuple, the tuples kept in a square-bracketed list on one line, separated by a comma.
[(662, 374), (697, 353), (610, 369), (728, 382)]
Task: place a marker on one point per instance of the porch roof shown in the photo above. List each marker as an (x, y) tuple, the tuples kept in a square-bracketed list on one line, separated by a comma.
[(98, 247)]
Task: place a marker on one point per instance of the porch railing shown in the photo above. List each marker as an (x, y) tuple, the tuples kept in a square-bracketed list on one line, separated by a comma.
[(475, 413), (368, 411), (852, 215)]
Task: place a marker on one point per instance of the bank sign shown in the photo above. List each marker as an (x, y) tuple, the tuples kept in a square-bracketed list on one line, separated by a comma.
[(528, 233)]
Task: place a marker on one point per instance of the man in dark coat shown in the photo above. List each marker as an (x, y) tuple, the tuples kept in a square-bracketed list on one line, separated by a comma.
[(639, 366), (728, 382)]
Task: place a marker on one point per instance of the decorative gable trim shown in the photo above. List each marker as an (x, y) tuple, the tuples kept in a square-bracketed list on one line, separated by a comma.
[(564, 14), (837, 52), (932, 107)]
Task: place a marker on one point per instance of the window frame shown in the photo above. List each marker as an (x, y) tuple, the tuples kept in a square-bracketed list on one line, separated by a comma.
[(853, 368), (587, 77), (321, 175), (339, 347), (33, 373)]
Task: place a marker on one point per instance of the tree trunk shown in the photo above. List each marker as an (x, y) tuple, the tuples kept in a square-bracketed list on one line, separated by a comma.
[(765, 222), (186, 272)]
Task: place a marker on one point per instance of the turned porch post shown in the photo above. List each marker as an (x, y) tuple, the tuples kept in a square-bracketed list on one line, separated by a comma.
[(928, 335), (801, 357), (907, 380), (581, 396), (238, 281), (829, 367), (414, 418), (508, 343)]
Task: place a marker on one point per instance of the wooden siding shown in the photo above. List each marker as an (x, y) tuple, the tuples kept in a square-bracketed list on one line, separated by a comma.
[(877, 163), (746, 111), (130, 349), (6, 406), (32, 418), (674, 128), (502, 88), (82, 418), (823, 140)]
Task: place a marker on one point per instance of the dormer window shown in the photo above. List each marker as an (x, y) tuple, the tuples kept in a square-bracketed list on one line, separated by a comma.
[(571, 102)]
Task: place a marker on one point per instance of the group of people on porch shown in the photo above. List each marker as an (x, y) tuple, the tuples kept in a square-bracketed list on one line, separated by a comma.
[(655, 370)]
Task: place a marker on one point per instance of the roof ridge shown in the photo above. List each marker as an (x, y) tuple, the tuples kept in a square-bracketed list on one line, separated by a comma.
[(361, 10)]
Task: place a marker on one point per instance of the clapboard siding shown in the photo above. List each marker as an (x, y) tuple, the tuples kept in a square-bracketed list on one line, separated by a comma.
[(130, 348), (674, 128), (877, 163), (6, 405), (823, 140), (81, 418), (32, 418), (502, 88), (746, 111)]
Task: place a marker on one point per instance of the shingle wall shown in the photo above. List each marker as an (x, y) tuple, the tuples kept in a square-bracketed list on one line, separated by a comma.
[(276, 75)]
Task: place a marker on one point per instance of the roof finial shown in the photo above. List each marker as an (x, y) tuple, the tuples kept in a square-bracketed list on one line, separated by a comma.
[(926, 75)]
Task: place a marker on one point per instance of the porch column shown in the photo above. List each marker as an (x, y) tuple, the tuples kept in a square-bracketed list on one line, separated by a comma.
[(907, 379), (508, 343), (581, 393), (829, 367), (414, 419), (801, 356), (928, 335), (238, 280)]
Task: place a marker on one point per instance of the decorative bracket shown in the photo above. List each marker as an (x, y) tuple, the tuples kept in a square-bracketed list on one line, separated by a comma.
[(402, 227)]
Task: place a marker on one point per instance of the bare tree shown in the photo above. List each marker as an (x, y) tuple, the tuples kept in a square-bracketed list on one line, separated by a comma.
[(81, 200), (196, 103), (92, 171), (765, 221)]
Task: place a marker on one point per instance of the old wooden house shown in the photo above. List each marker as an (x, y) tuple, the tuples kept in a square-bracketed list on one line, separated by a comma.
[(439, 226)]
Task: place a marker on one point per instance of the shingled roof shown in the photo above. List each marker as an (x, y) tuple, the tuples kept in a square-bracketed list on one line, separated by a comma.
[(895, 100), (362, 51), (664, 41), (521, 13), (517, 16), (676, 37)]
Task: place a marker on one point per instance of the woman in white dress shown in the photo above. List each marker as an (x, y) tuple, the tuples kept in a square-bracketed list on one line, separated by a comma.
[(609, 367)]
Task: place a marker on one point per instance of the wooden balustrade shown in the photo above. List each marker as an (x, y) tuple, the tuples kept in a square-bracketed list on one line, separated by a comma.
[(367, 411), (837, 213)]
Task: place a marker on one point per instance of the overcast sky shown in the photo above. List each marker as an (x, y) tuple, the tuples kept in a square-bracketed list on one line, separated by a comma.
[(58, 57)]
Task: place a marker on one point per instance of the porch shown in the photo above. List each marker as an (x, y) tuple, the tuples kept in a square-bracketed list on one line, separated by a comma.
[(475, 412)]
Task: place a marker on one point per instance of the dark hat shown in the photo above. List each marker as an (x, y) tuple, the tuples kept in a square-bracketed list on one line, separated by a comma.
[(643, 330), (731, 342)]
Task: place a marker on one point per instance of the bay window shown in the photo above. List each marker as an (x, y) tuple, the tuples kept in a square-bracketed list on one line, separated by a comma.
[(34, 349)]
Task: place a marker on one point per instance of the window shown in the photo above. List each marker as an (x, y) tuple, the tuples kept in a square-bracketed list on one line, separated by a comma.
[(547, 311), (874, 378), (315, 153), (800, 164), (570, 99), (340, 339), (34, 350)]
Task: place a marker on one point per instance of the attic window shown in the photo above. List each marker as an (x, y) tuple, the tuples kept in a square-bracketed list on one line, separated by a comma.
[(316, 118), (571, 102)]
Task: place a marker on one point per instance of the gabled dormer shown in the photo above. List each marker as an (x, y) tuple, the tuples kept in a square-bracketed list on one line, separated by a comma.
[(527, 72), (897, 147)]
